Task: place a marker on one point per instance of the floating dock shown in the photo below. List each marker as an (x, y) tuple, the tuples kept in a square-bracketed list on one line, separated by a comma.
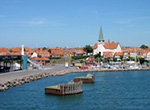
[(90, 78), (65, 89)]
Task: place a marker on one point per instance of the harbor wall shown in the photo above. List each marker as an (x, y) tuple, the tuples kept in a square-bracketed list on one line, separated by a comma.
[(18, 81)]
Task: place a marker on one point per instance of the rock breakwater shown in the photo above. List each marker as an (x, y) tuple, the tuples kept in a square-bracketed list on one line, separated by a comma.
[(18, 81)]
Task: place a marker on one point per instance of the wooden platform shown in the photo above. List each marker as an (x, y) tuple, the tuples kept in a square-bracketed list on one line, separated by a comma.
[(65, 89), (86, 79)]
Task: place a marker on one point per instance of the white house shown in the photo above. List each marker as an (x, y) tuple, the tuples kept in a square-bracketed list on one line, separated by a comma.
[(148, 56), (101, 46)]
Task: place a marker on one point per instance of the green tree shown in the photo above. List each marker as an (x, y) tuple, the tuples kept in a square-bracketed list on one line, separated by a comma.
[(88, 49), (49, 50), (97, 55), (44, 48), (72, 60), (54, 61), (10, 51), (107, 60), (39, 56), (144, 47), (98, 59), (81, 61), (114, 59), (142, 60), (121, 57)]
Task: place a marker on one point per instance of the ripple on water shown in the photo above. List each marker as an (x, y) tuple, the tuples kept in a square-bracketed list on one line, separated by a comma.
[(126, 90)]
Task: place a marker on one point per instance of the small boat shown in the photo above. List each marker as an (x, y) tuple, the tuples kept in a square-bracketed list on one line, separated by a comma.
[(90, 78), (65, 89)]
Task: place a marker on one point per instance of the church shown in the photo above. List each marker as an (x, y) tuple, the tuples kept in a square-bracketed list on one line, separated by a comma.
[(106, 48)]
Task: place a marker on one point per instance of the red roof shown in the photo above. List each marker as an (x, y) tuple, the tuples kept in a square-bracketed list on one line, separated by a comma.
[(57, 52), (90, 59), (95, 46), (118, 53), (42, 58), (110, 45), (107, 54), (36, 58)]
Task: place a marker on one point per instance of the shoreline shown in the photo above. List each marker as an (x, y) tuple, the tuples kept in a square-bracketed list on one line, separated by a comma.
[(27, 79)]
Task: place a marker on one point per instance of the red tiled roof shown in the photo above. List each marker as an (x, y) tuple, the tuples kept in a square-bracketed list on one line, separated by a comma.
[(42, 58), (118, 53), (15, 49), (68, 52), (89, 59), (95, 46), (36, 58), (110, 45), (57, 52), (15, 53), (107, 54), (4, 51)]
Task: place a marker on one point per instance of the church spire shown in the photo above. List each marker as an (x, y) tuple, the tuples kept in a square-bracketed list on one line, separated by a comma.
[(100, 39)]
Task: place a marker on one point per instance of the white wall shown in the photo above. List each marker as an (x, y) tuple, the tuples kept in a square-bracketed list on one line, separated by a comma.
[(101, 49)]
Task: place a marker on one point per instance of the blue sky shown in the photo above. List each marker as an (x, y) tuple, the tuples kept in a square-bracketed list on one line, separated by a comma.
[(73, 23)]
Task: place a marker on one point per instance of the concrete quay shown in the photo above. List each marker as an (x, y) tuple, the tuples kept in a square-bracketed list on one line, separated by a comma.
[(12, 79)]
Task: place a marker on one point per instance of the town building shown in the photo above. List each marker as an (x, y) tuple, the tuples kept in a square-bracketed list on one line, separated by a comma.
[(106, 49)]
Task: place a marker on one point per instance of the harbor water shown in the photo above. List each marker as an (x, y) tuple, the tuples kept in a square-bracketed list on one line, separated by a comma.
[(122, 90)]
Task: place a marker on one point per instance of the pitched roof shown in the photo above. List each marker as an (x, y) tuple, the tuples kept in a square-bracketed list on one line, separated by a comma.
[(95, 46), (89, 59), (118, 53), (42, 58), (110, 45), (57, 52), (107, 54), (36, 58)]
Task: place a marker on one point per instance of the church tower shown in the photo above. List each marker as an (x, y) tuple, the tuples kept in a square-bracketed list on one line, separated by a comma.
[(101, 39)]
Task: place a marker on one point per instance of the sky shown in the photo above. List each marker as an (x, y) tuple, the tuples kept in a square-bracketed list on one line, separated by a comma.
[(73, 23)]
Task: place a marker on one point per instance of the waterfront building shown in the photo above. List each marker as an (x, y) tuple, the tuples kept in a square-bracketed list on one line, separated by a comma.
[(105, 47), (41, 61), (4, 51), (57, 52), (78, 52)]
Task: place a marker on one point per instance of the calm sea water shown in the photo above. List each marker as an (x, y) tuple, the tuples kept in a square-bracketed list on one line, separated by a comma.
[(127, 90)]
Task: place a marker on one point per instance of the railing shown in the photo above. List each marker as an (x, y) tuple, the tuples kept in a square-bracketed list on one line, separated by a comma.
[(38, 66)]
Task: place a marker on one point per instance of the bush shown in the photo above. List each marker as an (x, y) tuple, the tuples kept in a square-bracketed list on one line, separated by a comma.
[(97, 55), (72, 60), (142, 60), (81, 61), (39, 56), (54, 57), (54, 61), (98, 59), (79, 57), (114, 59)]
